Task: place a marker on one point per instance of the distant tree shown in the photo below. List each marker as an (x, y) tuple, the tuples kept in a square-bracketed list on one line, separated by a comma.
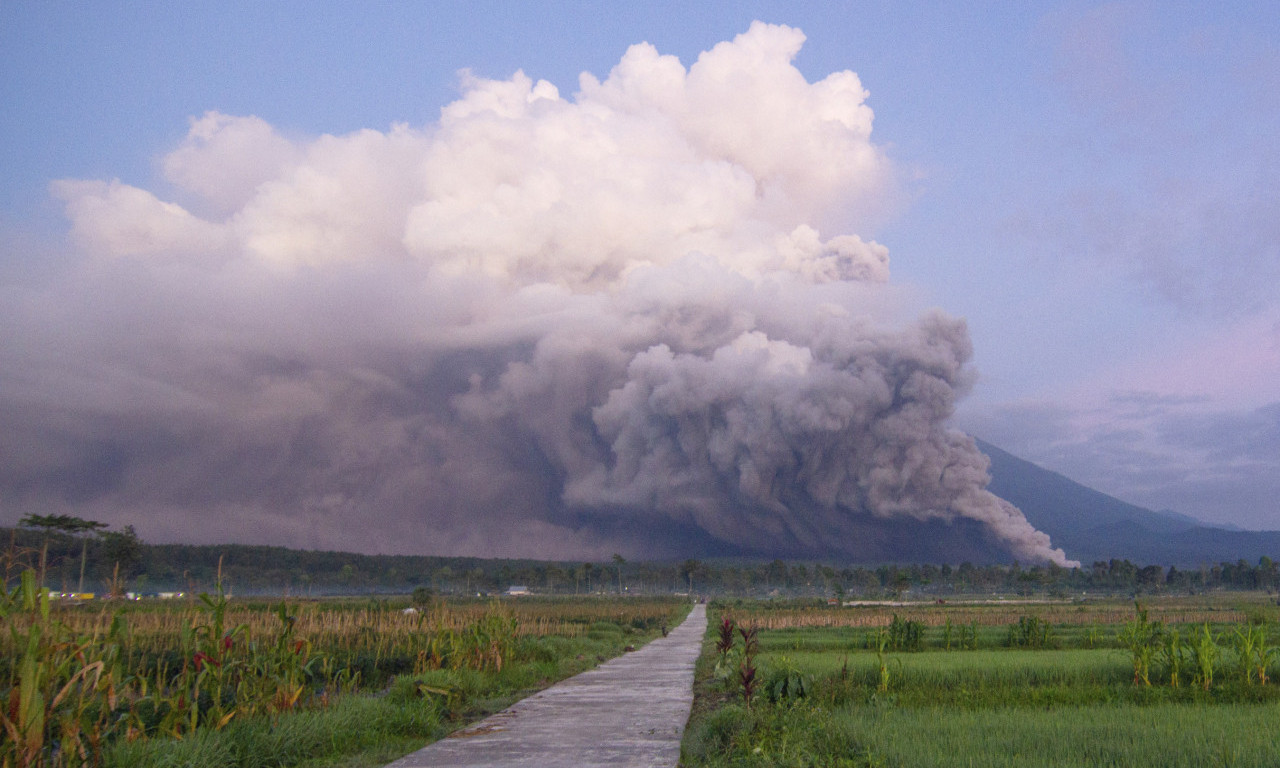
[(688, 568), (347, 574), (1268, 572), (122, 549), (618, 562), (776, 574), (554, 575), (1151, 577), (476, 576), (443, 576), (67, 524), (828, 576), (799, 575)]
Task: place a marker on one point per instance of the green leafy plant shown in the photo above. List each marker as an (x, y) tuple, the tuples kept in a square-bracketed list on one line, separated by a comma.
[(65, 692), (1141, 637), (787, 683), (881, 644), (1092, 637), (905, 634), (1173, 656), (1253, 652), (1204, 655), (1030, 632)]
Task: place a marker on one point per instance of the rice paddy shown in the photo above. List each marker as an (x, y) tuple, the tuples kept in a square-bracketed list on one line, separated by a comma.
[(1173, 682)]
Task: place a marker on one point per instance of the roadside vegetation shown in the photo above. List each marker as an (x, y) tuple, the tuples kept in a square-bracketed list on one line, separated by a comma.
[(988, 685), (215, 682)]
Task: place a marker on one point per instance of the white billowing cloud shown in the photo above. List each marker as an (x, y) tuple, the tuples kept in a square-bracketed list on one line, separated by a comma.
[(542, 326), (224, 159), (346, 202), (519, 183), (114, 219)]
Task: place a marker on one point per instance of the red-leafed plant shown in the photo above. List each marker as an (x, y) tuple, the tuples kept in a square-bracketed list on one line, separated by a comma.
[(725, 643)]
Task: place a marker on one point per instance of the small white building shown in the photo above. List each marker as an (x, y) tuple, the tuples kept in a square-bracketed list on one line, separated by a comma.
[(517, 589)]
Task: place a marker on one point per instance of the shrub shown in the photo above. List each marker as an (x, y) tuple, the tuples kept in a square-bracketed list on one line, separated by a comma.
[(787, 683)]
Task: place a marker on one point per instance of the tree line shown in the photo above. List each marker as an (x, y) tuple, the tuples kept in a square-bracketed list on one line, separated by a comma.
[(81, 555)]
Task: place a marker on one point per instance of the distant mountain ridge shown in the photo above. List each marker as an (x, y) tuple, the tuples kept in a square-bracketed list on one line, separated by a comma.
[(1090, 525)]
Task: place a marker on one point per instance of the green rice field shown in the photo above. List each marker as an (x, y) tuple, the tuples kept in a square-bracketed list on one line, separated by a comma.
[(1009, 687)]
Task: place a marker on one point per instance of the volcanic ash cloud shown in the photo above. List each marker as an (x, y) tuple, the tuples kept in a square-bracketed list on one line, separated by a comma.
[(632, 320)]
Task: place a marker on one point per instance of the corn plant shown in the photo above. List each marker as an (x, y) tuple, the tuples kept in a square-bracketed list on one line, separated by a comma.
[(1263, 654), (906, 634), (1030, 632), (1173, 656), (487, 643), (1204, 655), (881, 641), (282, 669), (1253, 653), (63, 688), (219, 663), (72, 681), (1141, 638)]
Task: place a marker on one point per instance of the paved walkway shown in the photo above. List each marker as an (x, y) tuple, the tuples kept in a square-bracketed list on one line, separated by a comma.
[(629, 711)]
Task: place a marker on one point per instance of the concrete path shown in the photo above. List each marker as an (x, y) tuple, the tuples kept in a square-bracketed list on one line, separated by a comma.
[(629, 711)]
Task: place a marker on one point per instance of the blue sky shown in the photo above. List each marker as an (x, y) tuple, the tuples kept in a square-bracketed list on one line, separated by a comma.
[(1093, 187)]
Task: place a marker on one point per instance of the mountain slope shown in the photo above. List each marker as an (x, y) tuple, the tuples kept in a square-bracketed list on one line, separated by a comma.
[(1090, 525)]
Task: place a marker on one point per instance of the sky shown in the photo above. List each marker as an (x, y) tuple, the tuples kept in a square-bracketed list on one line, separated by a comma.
[(229, 286)]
